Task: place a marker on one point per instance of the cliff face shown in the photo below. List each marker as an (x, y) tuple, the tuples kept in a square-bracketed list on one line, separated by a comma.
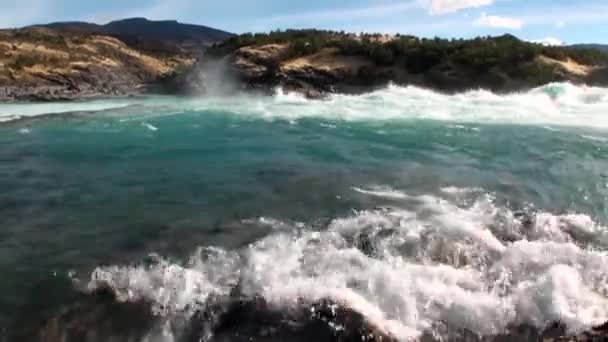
[(44, 64)]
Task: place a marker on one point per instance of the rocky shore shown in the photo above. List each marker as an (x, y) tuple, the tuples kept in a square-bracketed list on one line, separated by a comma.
[(59, 92)]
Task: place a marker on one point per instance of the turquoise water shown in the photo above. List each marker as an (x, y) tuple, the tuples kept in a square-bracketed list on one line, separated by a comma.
[(169, 175)]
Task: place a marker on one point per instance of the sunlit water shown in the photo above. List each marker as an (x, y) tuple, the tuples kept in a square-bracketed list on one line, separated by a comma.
[(476, 210)]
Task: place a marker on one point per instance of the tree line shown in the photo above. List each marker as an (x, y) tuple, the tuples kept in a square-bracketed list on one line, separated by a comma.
[(416, 54)]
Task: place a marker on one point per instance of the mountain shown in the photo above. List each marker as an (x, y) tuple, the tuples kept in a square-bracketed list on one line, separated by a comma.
[(134, 31), (601, 47)]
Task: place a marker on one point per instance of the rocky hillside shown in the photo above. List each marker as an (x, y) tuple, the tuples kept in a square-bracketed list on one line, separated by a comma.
[(318, 62), (45, 64), (75, 60)]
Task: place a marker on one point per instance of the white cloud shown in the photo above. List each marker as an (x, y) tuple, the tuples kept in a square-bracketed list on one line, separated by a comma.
[(549, 41), (451, 6), (495, 21)]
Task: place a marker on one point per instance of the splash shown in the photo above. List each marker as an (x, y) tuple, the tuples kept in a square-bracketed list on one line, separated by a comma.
[(430, 260)]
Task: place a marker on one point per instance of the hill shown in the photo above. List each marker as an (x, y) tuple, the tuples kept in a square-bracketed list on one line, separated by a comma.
[(66, 60), (39, 63), (316, 62), (137, 30), (601, 47)]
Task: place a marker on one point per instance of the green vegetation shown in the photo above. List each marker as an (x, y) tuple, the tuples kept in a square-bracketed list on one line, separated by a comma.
[(28, 60), (156, 48), (494, 61), (40, 37), (23, 61), (302, 42)]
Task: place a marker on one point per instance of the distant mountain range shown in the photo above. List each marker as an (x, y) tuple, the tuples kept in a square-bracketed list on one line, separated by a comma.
[(140, 29), (602, 47)]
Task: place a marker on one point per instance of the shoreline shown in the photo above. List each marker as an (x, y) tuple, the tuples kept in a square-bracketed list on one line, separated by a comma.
[(41, 95)]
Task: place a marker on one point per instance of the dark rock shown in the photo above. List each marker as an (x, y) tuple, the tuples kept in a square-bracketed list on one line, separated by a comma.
[(599, 77), (256, 320), (98, 318), (95, 319)]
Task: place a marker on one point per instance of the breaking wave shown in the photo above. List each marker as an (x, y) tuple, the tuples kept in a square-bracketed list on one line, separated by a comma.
[(554, 104), (425, 262), (18, 111)]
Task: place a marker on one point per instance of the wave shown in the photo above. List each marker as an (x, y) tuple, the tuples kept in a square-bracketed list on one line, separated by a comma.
[(556, 104), (150, 127), (408, 269), (385, 192), (19, 111)]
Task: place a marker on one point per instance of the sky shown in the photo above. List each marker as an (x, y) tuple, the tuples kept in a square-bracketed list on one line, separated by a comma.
[(552, 21)]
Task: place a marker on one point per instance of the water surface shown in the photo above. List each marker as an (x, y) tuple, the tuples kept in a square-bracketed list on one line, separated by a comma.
[(476, 210)]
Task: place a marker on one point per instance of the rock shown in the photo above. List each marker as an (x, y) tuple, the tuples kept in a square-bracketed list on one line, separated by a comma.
[(254, 63), (95, 319), (99, 318), (555, 332), (256, 320), (598, 77)]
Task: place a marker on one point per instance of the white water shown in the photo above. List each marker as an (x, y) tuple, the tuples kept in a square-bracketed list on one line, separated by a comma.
[(16, 111), (429, 259), (559, 104)]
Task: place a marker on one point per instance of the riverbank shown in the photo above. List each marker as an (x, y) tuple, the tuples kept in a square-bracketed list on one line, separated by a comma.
[(42, 64)]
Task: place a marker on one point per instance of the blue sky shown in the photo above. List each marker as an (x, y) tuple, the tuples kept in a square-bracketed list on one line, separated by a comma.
[(570, 21)]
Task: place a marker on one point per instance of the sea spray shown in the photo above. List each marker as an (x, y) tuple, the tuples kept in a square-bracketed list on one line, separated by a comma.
[(478, 267)]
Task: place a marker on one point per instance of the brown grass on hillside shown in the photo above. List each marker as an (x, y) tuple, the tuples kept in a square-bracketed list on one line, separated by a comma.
[(569, 65), (326, 59), (25, 54)]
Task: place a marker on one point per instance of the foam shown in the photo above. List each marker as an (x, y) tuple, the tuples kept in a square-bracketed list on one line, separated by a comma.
[(556, 104), (17, 111), (478, 266), (150, 127), (594, 138), (384, 192)]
